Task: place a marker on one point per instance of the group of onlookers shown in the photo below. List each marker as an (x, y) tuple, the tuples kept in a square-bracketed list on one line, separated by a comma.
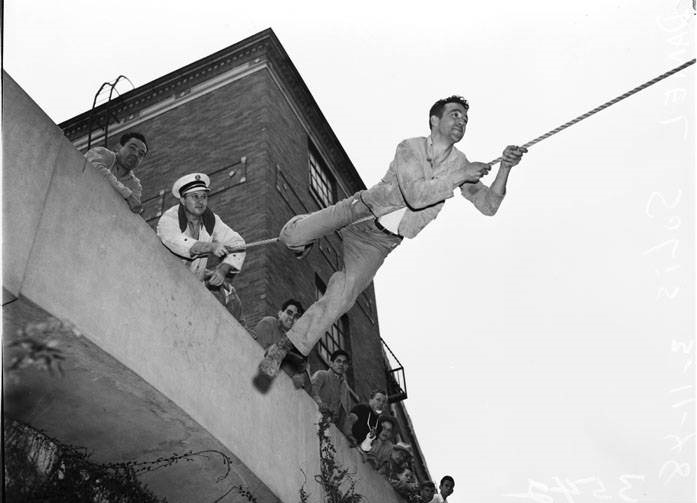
[(190, 230), (215, 253), (366, 426)]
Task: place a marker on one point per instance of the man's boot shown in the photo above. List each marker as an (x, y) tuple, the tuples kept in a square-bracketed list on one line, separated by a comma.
[(274, 356)]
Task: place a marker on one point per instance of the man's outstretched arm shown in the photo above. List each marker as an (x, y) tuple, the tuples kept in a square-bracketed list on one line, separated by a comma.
[(488, 199), (511, 156)]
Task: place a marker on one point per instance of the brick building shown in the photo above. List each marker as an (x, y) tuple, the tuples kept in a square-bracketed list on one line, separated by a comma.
[(245, 117)]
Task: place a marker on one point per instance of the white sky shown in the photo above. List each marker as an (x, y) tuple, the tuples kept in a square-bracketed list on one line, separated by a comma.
[(538, 344)]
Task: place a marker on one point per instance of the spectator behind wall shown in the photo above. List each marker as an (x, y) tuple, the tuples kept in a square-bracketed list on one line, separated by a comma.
[(447, 487), (364, 420), (329, 388), (382, 446), (427, 490), (270, 329), (397, 470), (192, 231), (118, 167)]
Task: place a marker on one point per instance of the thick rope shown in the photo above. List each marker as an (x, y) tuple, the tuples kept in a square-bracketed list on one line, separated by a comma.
[(603, 106), (528, 144), (253, 244)]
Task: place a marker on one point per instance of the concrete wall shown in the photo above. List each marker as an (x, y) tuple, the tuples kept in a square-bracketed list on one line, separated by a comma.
[(72, 247)]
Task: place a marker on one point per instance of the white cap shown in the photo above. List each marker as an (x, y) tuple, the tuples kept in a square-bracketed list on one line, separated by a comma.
[(190, 183)]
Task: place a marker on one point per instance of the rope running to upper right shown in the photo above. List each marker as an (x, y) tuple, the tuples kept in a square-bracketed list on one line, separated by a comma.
[(603, 106)]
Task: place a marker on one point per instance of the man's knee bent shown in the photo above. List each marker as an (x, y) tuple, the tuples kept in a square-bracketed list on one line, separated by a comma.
[(289, 234)]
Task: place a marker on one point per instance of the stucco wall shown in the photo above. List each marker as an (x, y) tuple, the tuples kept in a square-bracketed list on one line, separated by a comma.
[(72, 246)]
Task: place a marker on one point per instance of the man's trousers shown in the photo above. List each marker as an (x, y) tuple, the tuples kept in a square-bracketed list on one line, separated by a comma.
[(365, 247)]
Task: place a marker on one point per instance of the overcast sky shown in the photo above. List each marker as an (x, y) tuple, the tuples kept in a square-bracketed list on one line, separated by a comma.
[(548, 349)]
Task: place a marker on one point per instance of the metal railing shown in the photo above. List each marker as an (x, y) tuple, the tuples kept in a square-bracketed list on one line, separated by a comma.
[(396, 378)]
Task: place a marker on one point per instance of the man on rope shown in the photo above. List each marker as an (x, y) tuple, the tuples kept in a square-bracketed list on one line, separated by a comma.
[(423, 174)]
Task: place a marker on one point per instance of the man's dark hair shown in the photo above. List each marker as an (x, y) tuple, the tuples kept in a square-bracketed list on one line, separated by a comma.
[(339, 352), (439, 106), (133, 134), (428, 483), (293, 302), (391, 420), (447, 477), (375, 392)]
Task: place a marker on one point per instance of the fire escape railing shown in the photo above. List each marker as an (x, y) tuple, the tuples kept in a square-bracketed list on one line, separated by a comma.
[(396, 379)]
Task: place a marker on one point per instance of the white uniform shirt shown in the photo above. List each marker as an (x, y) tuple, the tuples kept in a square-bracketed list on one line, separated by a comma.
[(180, 243)]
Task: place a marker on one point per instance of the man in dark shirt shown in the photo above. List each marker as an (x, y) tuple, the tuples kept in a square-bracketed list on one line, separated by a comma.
[(364, 419)]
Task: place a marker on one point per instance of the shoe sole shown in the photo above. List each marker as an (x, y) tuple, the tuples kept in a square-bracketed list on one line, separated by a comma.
[(269, 367)]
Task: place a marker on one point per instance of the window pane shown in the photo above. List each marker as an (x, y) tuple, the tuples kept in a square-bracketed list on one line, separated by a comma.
[(335, 337), (321, 182)]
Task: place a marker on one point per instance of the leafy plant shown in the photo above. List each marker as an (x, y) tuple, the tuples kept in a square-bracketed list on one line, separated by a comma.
[(336, 481), (43, 469), (33, 346)]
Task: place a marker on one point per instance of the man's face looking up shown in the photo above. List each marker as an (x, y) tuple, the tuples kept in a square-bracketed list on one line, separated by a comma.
[(131, 154), (340, 364), (288, 316), (195, 203)]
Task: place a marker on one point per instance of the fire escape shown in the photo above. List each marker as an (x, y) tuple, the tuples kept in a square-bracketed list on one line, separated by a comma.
[(396, 380)]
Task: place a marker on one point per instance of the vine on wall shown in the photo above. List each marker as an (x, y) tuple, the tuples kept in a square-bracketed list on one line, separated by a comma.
[(41, 468), (337, 482)]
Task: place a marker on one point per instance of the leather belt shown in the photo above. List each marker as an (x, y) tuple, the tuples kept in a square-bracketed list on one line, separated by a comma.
[(383, 229)]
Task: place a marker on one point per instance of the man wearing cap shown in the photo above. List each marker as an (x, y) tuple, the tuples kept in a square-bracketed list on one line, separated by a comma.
[(118, 167), (193, 232)]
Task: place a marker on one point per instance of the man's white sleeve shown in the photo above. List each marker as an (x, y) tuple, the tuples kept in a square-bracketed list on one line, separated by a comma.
[(103, 159), (483, 198), (172, 237), (225, 235)]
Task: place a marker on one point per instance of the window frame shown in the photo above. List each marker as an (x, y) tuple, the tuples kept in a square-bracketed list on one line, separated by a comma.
[(337, 337), (321, 181)]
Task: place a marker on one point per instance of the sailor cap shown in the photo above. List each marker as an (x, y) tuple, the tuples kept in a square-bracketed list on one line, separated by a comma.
[(190, 183)]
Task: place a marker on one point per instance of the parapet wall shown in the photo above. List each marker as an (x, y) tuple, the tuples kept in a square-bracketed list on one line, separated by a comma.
[(72, 247)]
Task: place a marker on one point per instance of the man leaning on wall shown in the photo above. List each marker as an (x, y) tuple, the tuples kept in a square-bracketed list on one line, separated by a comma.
[(118, 167), (330, 390), (271, 329)]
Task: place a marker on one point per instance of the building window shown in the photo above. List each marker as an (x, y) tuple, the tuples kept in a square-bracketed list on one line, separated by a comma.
[(337, 335), (322, 183)]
